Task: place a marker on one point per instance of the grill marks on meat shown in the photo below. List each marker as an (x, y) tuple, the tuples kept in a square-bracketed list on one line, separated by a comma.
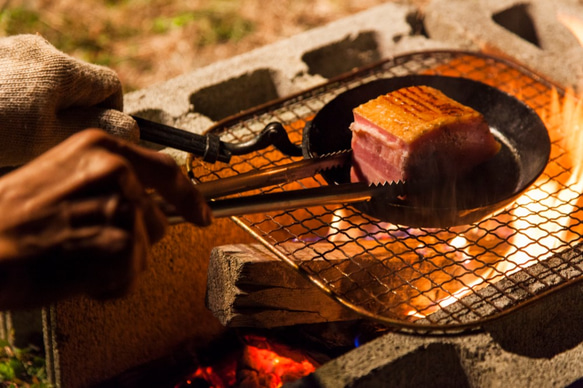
[(417, 132), (422, 105)]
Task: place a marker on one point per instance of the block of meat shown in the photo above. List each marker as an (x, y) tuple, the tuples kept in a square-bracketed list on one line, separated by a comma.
[(417, 133)]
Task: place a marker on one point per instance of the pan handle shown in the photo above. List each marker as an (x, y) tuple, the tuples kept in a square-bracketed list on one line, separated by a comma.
[(210, 147)]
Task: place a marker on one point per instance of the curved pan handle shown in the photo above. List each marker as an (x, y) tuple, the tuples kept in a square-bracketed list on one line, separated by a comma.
[(210, 147)]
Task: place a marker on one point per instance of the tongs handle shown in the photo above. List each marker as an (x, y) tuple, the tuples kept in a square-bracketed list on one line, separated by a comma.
[(210, 147)]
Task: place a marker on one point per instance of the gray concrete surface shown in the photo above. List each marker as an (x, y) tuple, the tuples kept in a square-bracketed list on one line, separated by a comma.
[(526, 31)]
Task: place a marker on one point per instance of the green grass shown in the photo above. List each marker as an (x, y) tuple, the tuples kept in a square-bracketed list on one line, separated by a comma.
[(111, 33), (213, 26), (217, 23), (92, 47), (22, 367)]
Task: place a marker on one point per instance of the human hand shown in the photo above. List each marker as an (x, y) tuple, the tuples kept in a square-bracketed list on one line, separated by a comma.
[(78, 218), (46, 95)]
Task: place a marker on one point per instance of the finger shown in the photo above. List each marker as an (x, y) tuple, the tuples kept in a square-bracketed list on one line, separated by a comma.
[(96, 211), (114, 258), (154, 220), (93, 260), (111, 121), (128, 206), (160, 172), (113, 210), (102, 189), (117, 279)]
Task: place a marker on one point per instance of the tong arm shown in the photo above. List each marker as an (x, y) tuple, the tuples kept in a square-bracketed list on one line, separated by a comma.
[(257, 179), (292, 199), (319, 196), (272, 176)]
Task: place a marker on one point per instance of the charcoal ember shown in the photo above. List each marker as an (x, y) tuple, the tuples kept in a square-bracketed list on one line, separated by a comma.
[(249, 378)]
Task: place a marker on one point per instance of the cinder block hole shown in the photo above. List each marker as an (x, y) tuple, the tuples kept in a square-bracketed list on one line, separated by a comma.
[(437, 365), (415, 21), (235, 95), (343, 56), (517, 19)]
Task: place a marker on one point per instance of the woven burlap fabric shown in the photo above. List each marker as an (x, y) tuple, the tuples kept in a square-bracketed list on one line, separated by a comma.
[(47, 95)]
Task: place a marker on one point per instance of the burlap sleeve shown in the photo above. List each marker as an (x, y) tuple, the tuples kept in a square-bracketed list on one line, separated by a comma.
[(47, 95)]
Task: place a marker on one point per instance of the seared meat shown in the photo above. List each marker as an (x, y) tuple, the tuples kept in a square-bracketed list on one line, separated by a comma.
[(417, 132)]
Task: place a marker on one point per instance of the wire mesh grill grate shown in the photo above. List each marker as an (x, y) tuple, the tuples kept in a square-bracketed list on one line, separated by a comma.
[(422, 279)]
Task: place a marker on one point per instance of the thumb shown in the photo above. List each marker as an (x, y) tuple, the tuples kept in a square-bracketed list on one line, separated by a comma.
[(112, 121)]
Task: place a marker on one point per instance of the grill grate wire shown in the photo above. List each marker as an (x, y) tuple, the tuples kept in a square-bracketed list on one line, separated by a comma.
[(420, 280)]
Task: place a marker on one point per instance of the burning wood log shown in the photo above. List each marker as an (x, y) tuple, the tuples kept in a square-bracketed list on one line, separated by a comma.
[(248, 286)]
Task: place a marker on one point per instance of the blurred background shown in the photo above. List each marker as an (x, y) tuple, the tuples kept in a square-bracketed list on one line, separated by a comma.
[(148, 42)]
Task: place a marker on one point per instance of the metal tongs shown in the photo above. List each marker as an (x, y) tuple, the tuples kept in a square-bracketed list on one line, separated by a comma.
[(212, 149), (344, 193)]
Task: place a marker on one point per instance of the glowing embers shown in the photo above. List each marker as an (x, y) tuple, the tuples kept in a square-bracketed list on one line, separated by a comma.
[(259, 362)]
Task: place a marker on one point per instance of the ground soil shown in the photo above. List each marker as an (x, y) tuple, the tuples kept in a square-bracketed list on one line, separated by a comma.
[(151, 41)]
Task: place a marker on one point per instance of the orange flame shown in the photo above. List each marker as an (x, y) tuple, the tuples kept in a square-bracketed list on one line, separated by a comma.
[(425, 270), (543, 214)]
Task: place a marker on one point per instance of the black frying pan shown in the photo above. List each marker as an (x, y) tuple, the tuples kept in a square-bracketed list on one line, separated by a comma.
[(488, 188)]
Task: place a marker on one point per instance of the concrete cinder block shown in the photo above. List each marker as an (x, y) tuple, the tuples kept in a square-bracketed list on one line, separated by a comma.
[(91, 342), (22, 328), (540, 345), (530, 32)]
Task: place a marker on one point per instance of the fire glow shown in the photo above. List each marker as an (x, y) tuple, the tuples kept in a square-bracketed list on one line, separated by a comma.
[(545, 213), (425, 270), (260, 363)]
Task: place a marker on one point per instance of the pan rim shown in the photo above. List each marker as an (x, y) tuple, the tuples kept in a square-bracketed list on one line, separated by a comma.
[(460, 213)]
